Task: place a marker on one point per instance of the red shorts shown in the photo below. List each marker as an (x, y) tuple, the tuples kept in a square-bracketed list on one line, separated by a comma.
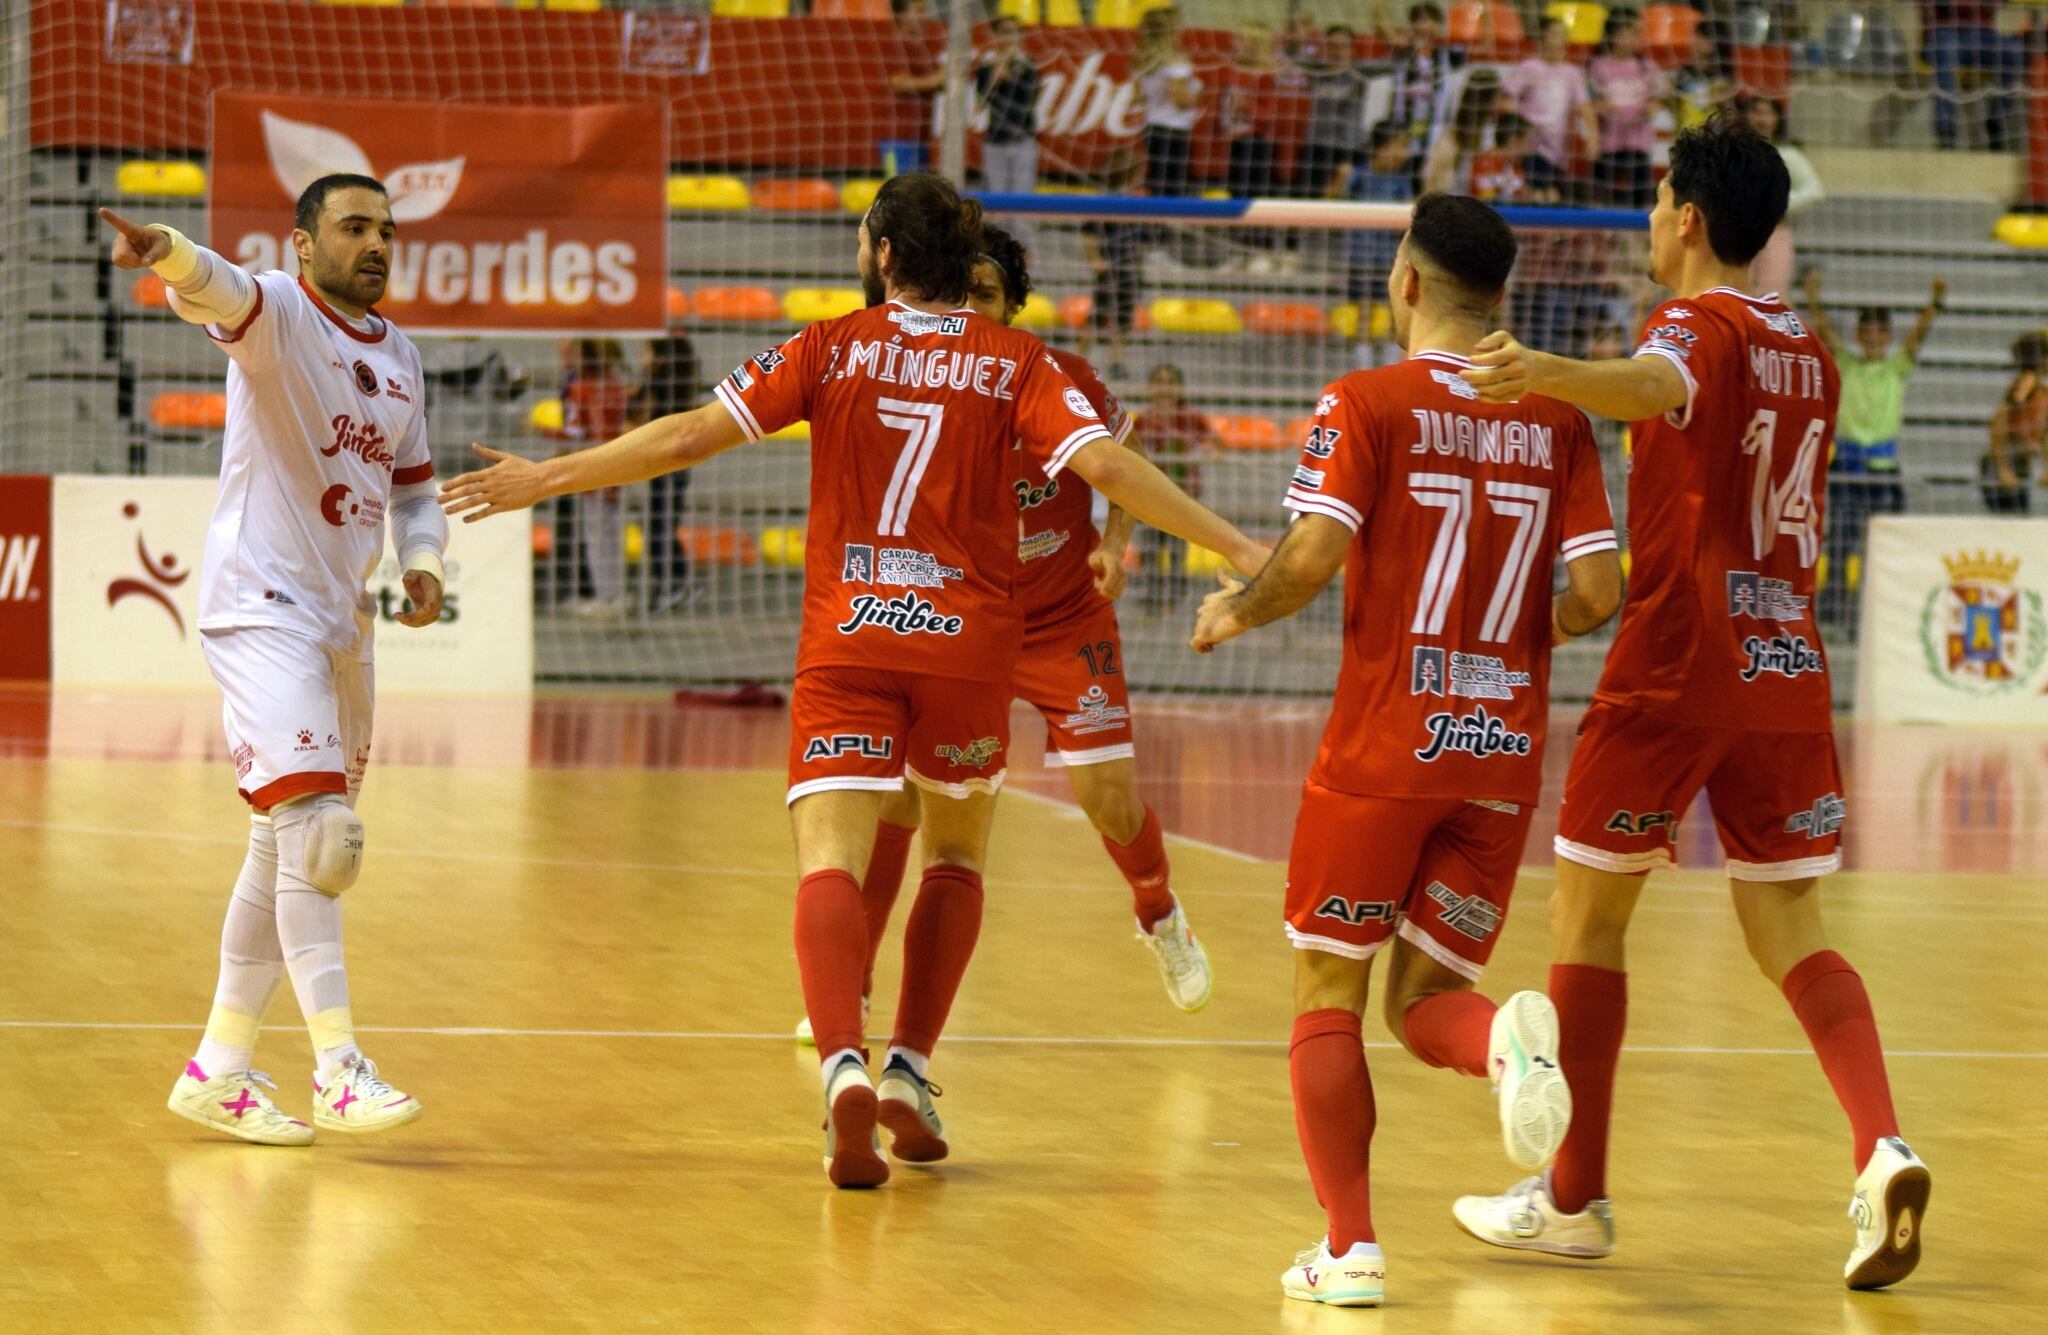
[(1438, 870), (1073, 674), (866, 728), (1776, 796)]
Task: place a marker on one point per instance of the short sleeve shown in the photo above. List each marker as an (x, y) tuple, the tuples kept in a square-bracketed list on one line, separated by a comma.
[(1675, 331), (1337, 475), (1054, 419), (1587, 525), (257, 343), (771, 390), (1111, 409)]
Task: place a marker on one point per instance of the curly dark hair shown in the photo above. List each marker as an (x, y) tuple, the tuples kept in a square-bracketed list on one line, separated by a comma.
[(934, 235), (1006, 252)]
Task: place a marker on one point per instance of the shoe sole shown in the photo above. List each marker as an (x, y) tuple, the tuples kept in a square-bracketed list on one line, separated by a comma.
[(854, 1161), (1345, 1298), (1905, 1208), (909, 1138), (202, 1119), (369, 1128), (1565, 1250), (1535, 1110)]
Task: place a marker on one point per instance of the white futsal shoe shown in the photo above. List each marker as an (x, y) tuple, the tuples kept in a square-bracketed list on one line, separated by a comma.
[(805, 1038), (235, 1102), (1356, 1279), (853, 1147), (1527, 1219), (1891, 1200), (1183, 964), (357, 1099), (1535, 1102), (916, 1135)]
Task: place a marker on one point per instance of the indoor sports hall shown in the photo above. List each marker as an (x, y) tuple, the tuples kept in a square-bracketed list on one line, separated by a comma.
[(571, 936)]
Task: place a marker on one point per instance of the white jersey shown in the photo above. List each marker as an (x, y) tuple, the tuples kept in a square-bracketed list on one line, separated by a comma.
[(324, 419)]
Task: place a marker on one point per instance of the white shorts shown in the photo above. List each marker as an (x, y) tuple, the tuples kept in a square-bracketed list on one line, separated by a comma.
[(297, 714)]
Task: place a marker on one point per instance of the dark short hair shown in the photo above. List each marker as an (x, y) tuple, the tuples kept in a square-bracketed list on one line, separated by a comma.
[(1006, 252), (1425, 12), (1876, 315), (314, 197), (1735, 177), (1511, 125), (2030, 351), (1383, 133), (1466, 239), (934, 235)]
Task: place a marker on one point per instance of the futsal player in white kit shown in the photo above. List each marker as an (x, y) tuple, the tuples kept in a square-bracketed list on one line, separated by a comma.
[(326, 440)]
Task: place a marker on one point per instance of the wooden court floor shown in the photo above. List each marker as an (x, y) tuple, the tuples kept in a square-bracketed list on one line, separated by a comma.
[(572, 942)]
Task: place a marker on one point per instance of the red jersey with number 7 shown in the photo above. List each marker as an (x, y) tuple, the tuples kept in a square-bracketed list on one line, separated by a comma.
[(1462, 510), (1724, 509), (911, 553)]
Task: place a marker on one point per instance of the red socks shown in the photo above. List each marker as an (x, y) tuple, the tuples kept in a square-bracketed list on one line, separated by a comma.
[(1828, 997), (831, 942), (879, 888), (1333, 1111), (1592, 1012), (1143, 863), (1451, 1029), (937, 943)]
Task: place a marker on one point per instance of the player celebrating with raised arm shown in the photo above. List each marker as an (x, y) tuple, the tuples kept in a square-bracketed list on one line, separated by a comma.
[(326, 437), (910, 635), (1716, 680), (1447, 516), (1070, 671)]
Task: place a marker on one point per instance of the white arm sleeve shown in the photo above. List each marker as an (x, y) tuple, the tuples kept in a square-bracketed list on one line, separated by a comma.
[(205, 288), (419, 530)]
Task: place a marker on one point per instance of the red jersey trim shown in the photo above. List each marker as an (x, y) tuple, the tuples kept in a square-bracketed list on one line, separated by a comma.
[(1306, 503), (243, 327), (406, 477), (741, 414), (1073, 445), (297, 785), (336, 318)]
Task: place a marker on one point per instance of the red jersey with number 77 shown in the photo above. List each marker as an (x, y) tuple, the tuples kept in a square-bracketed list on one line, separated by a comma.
[(1462, 510), (911, 553), (1724, 508)]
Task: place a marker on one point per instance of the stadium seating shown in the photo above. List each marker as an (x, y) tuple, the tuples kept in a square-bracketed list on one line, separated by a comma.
[(186, 179), (1584, 22), (1285, 317), (849, 9), (1124, 13), (746, 305), (546, 416), (1465, 25), (858, 193), (718, 545), (678, 304), (750, 9), (806, 305), (1241, 432), (1195, 315), (150, 293), (1296, 431), (795, 194), (189, 412), (1764, 69), (562, 6), (1668, 32), (1038, 313), (708, 192), (782, 546)]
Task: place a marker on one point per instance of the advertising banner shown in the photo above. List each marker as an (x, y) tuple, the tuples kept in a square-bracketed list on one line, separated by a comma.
[(24, 578)]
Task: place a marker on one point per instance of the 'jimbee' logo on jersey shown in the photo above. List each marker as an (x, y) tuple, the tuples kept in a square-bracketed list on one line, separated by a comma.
[(849, 744), (1030, 497), (1322, 441), (905, 615), (1467, 915), (366, 380), (1641, 822), (1478, 734), (1823, 819), (1781, 655), (1309, 479), (1426, 672), (769, 360), (974, 755), (1358, 912)]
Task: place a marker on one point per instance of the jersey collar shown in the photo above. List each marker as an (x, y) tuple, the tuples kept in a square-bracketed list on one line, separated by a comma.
[(1437, 355), (340, 322), (1767, 299)]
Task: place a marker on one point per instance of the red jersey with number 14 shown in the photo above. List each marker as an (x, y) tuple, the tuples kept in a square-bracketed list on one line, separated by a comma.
[(1724, 511), (1056, 516), (1462, 509), (911, 553)]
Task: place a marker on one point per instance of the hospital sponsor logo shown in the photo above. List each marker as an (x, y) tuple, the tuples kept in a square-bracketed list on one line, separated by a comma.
[(907, 615), (849, 744), (1094, 713), (1981, 631), (341, 505), (1781, 656), (1038, 546), (1478, 734), (1766, 599), (1821, 819)]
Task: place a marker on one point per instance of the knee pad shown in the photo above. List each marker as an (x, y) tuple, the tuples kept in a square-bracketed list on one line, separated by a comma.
[(258, 882), (320, 841)]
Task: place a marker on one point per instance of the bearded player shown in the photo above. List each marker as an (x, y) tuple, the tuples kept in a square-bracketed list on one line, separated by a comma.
[(1070, 670), (910, 634), (1447, 516), (1716, 681), (326, 439)]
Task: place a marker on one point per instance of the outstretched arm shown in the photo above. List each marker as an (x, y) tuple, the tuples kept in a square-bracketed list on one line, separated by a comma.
[(205, 288), (680, 440), (1937, 301), (1309, 557), (1816, 314), (1132, 481), (1626, 389)]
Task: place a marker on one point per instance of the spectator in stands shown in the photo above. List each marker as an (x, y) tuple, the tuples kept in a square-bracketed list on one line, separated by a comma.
[(1115, 251), (1550, 92), (1501, 174), (594, 408), (1175, 436), (920, 67), (1626, 86), (1461, 140), (673, 383), (1336, 110), (1863, 475), (1956, 35), (1422, 69), (1007, 84), (469, 386), (1173, 101), (1771, 271), (1251, 115), (2018, 431), (1385, 176), (1703, 83)]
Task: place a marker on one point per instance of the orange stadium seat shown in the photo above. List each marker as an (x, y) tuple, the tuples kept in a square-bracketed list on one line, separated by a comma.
[(543, 540), (149, 292), (717, 546), (1246, 433), (1285, 317), (1668, 32), (678, 305), (1766, 70), (189, 412), (850, 9), (753, 305), (1296, 431), (796, 194), (1466, 26), (1074, 311)]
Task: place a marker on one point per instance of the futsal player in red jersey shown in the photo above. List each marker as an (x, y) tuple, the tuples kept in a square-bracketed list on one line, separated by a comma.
[(1447, 516), (910, 634), (1716, 681), (1071, 670)]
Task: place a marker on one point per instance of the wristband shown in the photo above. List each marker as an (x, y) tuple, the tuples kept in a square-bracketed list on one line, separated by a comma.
[(428, 563), (183, 261)]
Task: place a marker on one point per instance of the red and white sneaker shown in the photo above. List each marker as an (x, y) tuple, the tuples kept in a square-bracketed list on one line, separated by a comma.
[(356, 1099), (235, 1102), (853, 1147)]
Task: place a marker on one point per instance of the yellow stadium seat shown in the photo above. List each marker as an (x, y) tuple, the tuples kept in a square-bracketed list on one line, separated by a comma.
[(2027, 231), (1062, 13), (546, 415), (806, 305), (189, 412), (794, 431), (708, 192), (1038, 313), (1378, 325), (782, 547), (1200, 560), (857, 194), (750, 9), (561, 6), (1124, 13), (1381, 323), (1344, 319), (161, 178), (1215, 192), (795, 194), (1024, 11), (746, 305), (1584, 22), (1057, 188), (1195, 315), (636, 544)]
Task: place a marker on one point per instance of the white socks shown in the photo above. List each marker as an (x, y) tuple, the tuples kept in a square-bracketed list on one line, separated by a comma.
[(911, 1057), (251, 960), (309, 928)]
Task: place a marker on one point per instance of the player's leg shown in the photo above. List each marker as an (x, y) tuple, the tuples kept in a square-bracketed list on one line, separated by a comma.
[(1777, 803), (879, 886)]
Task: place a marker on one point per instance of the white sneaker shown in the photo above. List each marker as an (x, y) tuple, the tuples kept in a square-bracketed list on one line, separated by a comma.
[(1535, 1102), (1183, 964), (1527, 1219), (357, 1099), (916, 1135), (234, 1102), (853, 1148), (805, 1038), (1891, 1200), (1356, 1279)]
